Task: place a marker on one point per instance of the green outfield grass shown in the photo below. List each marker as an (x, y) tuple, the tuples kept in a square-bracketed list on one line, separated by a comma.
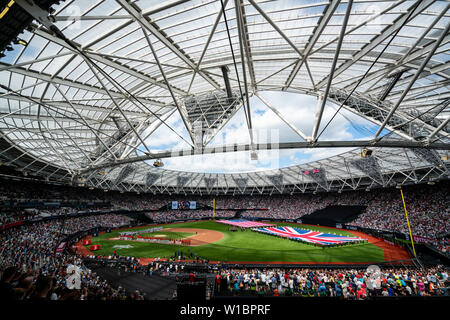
[(244, 246)]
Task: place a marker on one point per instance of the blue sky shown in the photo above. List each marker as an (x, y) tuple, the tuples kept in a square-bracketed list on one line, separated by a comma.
[(268, 128)]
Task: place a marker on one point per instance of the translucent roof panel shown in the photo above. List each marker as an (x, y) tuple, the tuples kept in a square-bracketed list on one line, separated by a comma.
[(129, 68)]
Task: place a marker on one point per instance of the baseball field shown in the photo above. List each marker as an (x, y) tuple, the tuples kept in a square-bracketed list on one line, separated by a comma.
[(214, 241)]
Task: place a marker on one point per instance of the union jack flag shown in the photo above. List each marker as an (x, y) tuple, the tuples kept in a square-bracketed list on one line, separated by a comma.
[(307, 235), (244, 223)]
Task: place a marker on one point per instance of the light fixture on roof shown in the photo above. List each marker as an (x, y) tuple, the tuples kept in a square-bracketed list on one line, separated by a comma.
[(431, 182), (20, 41), (367, 189), (398, 186), (365, 153), (158, 163)]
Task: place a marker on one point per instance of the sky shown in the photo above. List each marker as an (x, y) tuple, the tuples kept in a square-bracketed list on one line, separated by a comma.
[(299, 109)]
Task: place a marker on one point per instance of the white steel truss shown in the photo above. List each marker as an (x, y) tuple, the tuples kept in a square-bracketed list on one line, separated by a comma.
[(87, 97)]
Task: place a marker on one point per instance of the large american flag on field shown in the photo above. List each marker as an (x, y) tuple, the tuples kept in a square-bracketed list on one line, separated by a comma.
[(307, 235), (245, 223)]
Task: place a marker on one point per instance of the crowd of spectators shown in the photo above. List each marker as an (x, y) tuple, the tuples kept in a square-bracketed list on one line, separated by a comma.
[(9, 216), (19, 190), (341, 283), (15, 216), (428, 212), (175, 215), (32, 270), (428, 206)]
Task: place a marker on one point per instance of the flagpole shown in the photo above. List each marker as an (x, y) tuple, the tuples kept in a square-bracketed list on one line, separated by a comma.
[(214, 208), (407, 220)]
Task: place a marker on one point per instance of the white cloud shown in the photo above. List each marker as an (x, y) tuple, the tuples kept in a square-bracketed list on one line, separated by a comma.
[(164, 137), (300, 110)]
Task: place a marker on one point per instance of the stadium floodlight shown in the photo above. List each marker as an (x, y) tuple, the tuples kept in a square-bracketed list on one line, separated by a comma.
[(78, 181), (365, 153), (158, 163), (20, 41)]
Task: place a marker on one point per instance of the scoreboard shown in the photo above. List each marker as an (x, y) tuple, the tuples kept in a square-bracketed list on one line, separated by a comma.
[(184, 205)]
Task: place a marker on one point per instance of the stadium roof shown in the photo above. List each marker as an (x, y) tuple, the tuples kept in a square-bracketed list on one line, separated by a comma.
[(95, 79)]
